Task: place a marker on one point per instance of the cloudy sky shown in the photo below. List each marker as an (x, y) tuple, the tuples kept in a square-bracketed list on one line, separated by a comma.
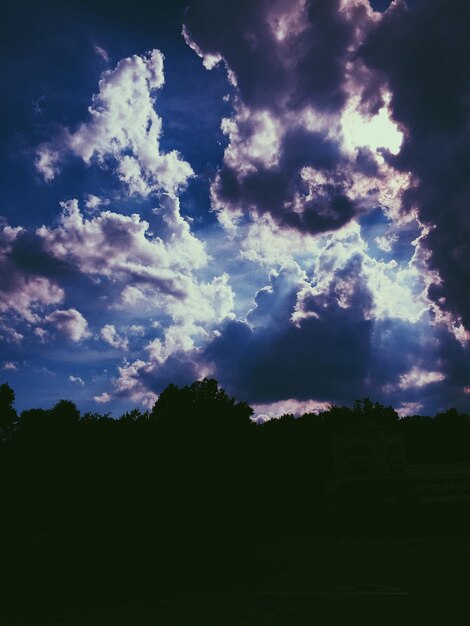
[(274, 193)]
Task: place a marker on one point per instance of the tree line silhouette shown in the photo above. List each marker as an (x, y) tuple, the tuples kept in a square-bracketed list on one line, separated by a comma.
[(184, 487)]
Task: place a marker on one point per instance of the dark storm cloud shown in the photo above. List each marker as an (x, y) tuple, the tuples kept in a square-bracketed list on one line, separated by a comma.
[(324, 356), (177, 370), (365, 162), (284, 56), (22, 292), (423, 54), (300, 343), (308, 69), (28, 259), (314, 360), (29, 254), (272, 190), (340, 356), (453, 360), (117, 247), (399, 348)]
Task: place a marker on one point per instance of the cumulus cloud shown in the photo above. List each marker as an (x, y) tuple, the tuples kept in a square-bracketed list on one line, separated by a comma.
[(324, 133), (305, 143), (317, 332), (131, 382), (110, 335), (23, 293), (318, 139), (286, 50), (311, 150), (386, 242), (277, 355), (154, 274), (397, 288), (120, 247), (301, 344), (176, 355), (10, 334), (430, 100), (70, 323), (124, 130), (92, 202), (157, 272), (102, 398), (137, 330), (47, 162)]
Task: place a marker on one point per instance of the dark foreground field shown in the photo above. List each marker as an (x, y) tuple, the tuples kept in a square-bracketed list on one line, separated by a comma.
[(287, 580), (194, 515)]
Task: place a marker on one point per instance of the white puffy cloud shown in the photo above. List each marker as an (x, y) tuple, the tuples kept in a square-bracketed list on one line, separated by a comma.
[(23, 293), (110, 335), (386, 242), (10, 334), (177, 339), (195, 320), (125, 129), (40, 332), (120, 247), (92, 202), (254, 139), (69, 322), (102, 398), (372, 131), (47, 162), (397, 288), (137, 330), (157, 275), (28, 294), (130, 382), (266, 243)]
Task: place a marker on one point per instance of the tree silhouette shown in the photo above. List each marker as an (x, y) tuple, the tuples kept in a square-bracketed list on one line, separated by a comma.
[(65, 414), (201, 406), (377, 414), (8, 415), (189, 484)]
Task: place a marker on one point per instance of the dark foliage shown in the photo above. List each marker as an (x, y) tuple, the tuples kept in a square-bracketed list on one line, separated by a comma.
[(8, 416), (180, 490)]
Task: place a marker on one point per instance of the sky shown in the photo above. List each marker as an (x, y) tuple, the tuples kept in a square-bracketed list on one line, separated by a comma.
[(272, 193)]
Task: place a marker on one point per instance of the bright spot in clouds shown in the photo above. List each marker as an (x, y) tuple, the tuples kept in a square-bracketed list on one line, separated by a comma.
[(417, 377), (375, 132)]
